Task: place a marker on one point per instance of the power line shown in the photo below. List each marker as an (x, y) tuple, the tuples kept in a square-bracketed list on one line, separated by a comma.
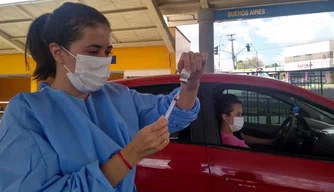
[(292, 45)]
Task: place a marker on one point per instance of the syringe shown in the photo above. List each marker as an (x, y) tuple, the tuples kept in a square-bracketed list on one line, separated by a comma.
[(172, 104), (185, 74)]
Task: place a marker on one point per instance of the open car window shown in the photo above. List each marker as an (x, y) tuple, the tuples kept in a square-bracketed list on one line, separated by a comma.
[(187, 135), (261, 109)]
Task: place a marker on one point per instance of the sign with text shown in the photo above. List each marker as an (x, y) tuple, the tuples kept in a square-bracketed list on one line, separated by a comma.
[(275, 10), (113, 59), (313, 64)]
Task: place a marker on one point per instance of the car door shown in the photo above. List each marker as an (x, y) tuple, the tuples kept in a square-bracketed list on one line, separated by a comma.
[(235, 169), (182, 165)]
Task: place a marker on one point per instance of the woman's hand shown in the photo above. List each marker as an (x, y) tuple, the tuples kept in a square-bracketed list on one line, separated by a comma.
[(196, 63), (148, 141)]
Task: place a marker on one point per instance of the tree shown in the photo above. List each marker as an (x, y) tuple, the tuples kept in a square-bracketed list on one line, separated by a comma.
[(240, 64), (240, 61), (272, 65), (275, 65), (249, 63)]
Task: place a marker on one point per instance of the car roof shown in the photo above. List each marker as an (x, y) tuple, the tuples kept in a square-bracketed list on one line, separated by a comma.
[(232, 79), (207, 77)]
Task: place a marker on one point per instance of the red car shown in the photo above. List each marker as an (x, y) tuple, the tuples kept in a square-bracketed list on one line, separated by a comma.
[(196, 160)]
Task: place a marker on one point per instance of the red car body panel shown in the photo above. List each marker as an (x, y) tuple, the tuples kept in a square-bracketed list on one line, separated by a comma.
[(181, 167), (249, 171), (176, 168)]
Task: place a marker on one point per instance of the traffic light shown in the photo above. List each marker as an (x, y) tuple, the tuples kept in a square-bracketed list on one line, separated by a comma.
[(248, 47), (215, 50)]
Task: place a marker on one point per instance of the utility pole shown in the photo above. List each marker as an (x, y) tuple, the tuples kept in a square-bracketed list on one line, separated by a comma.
[(219, 54), (233, 55), (257, 56)]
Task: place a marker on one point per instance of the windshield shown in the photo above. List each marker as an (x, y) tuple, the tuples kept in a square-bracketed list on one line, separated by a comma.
[(327, 116)]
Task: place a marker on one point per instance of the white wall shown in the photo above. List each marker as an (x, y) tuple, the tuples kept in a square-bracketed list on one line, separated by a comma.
[(331, 45), (318, 47)]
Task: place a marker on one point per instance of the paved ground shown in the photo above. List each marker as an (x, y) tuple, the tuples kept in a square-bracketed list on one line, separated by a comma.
[(329, 93)]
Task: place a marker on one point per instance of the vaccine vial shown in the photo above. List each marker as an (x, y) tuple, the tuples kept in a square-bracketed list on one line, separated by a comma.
[(185, 74)]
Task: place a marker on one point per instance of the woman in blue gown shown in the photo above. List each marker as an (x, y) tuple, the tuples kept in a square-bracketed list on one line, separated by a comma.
[(80, 133)]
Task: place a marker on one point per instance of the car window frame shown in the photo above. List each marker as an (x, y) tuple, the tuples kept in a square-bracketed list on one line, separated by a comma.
[(266, 95), (213, 139)]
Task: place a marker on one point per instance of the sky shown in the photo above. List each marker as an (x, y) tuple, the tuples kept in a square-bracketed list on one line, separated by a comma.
[(268, 36)]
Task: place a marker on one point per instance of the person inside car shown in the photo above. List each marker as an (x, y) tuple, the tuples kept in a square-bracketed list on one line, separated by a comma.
[(81, 133), (229, 110)]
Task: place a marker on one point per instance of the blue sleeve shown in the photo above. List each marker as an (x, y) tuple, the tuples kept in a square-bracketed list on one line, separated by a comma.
[(150, 107), (28, 162)]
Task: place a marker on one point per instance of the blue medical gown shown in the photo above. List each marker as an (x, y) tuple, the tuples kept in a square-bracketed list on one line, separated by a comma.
[(51, 141)]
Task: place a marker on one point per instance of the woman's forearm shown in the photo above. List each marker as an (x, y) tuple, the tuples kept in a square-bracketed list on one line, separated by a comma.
[(254, 140), (187, 98), (115, 169)]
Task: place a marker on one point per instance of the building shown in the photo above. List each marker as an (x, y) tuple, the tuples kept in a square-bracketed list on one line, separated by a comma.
[(148, 61), (135, 61), (309, 56)]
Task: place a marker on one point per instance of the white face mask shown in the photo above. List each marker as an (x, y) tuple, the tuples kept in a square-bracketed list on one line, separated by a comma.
[(238, 123), (91, 73)]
